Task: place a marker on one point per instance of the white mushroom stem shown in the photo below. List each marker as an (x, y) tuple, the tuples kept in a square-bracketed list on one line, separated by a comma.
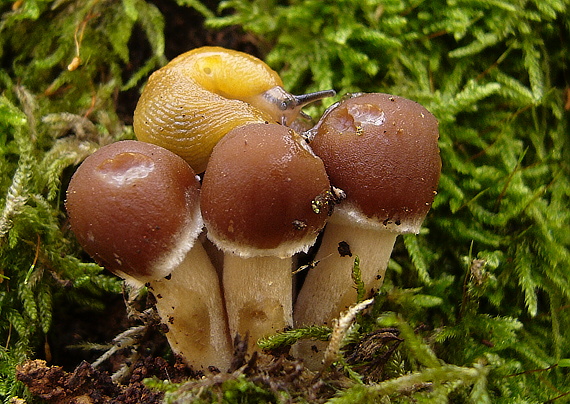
[(258, 293), (190, 303), (329, 288)]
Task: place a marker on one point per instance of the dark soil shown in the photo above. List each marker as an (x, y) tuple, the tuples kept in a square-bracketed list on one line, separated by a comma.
[(88, 385)]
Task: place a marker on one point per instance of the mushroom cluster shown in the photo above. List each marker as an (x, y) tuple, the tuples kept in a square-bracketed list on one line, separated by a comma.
[(265, 194)]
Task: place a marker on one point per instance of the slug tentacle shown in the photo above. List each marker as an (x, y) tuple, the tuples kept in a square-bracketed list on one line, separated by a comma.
[(285, 107), (191, 103)]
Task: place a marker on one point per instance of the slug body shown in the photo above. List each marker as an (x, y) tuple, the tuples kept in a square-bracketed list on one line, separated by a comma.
[(191, 103)]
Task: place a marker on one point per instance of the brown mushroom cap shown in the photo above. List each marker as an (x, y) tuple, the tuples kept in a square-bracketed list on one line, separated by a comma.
[(382, 151), (134, 207), (258, 191)]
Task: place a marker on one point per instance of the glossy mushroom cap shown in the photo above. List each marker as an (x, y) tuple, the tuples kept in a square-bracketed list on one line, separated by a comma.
[(382, 151), (258, 192), (134, 207)]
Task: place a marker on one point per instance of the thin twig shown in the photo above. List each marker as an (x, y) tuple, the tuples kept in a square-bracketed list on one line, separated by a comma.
[(340, 329)]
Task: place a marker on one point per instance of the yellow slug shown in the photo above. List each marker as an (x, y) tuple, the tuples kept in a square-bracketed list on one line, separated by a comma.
[(193, 101)]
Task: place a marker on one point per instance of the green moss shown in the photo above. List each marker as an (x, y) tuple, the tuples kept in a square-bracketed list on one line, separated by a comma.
[(481, 295)]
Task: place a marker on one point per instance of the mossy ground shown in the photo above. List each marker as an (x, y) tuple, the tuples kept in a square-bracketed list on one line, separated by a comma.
[(474, 309)]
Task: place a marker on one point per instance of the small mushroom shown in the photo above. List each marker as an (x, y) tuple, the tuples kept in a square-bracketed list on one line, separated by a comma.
[(382, 151), (134, 207), (257, 202)]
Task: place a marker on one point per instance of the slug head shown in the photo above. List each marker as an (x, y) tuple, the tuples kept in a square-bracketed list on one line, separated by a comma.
[(283, 106), (239, 76)]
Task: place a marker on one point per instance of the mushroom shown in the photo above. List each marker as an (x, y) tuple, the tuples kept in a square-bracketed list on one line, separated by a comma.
[(258, 202), (382, 151), (134, 207)]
